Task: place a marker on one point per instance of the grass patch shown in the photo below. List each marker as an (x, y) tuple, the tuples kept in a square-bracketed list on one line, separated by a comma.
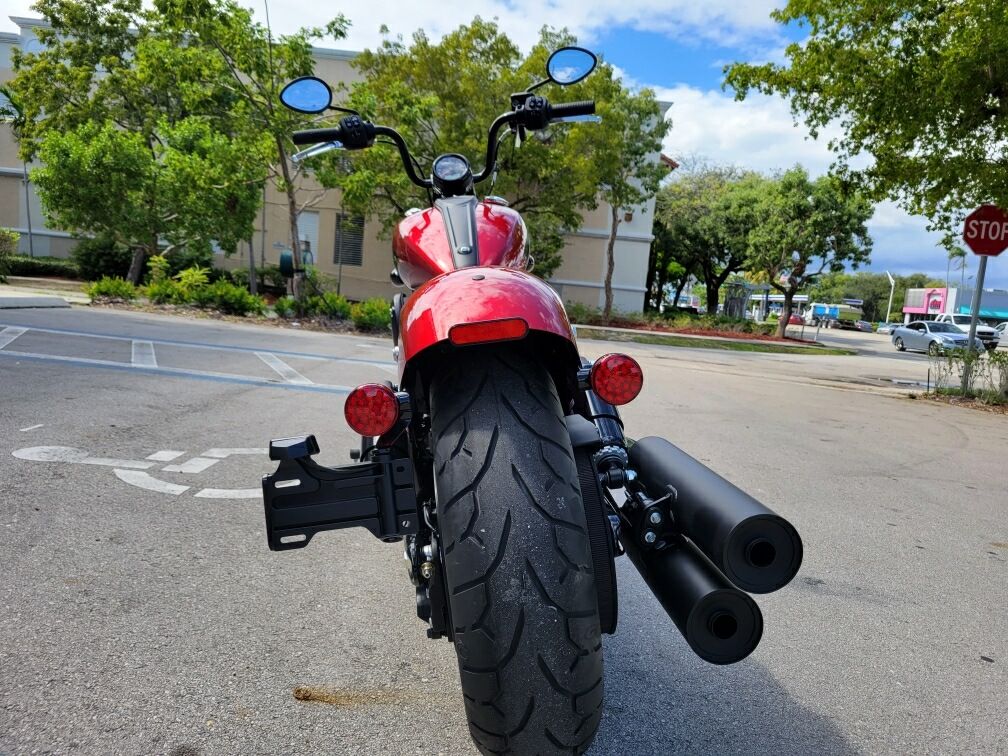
[(665, 339)]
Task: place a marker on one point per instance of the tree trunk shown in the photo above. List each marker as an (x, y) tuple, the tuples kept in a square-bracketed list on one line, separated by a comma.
[(713, 286), (253, 283), (679, 288), (652, 277), (292, 211), (782, 324), (136, 265), (610, 262)]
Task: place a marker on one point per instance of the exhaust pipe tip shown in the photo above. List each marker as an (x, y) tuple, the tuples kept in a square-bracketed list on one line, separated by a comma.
[(724, 627), (762, 554)]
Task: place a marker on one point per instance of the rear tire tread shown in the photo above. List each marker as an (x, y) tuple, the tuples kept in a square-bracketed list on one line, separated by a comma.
[(517, 560)]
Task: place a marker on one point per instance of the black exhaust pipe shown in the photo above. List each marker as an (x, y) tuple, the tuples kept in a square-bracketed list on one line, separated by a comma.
[(722, 624), (757, 549)]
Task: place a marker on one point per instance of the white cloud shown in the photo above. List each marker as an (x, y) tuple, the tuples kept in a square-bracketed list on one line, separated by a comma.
[(760, 133), (726, 22)]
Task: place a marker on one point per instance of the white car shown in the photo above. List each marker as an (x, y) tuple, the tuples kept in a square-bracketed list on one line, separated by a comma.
[(1000, 328), (984, 332)]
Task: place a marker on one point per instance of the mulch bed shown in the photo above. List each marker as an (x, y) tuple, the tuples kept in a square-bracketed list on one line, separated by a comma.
[(726, 334), (968, 403)]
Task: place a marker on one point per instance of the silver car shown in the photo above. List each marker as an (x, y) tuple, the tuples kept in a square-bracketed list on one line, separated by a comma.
[(933, 338)]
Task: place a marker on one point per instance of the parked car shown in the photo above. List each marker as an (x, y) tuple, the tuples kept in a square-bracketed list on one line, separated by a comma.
[(1002, 338), (984, 332), (795, 319), (864, 325), (887, 328), (932, 337)]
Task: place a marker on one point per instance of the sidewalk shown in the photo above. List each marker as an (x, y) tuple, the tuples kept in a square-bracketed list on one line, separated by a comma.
[(22, 292)]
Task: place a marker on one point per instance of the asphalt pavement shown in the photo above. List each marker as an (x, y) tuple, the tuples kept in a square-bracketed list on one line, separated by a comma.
[(143, 613)]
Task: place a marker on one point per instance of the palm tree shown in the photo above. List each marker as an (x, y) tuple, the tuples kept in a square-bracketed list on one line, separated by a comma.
[(11, 112)]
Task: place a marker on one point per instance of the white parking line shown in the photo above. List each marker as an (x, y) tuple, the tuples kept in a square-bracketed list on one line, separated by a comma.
[(228, 451), (149, 483), (143, 354), (77, 456), (167, 455), (229, 493), (227, 377), (194, 465), (32, 427), (285, 371), (8, 334)]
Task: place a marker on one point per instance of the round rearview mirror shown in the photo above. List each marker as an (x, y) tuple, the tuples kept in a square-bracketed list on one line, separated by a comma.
[(307, 95), (569, 65)]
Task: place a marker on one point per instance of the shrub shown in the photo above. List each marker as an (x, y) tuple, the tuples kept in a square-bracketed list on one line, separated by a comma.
[(8, 246), (371, 314), (161, 292), (189, 257), (112, 288), (284, 307), (22, 265), (101, 257), (158, 269), (228, 297), (188, 281), (332, 305)]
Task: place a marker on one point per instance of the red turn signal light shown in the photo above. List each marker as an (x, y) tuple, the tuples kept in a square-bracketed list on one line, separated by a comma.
[(616, 378), (371, 409), (508, 329)]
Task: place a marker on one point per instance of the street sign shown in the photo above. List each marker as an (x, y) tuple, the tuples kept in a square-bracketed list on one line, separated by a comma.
[(986, 231)]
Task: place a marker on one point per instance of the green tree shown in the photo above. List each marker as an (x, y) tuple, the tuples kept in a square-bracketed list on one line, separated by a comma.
[(257, 68), (624, 151), (707, 213), (671, 261), (805, 228), (134, 129), (919, 86)]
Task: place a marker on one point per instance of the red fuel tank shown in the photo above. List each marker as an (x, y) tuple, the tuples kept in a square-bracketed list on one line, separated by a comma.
[(423, 251)]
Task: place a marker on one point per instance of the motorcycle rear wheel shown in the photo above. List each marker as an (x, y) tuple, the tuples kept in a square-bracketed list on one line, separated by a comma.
[(517, 560)]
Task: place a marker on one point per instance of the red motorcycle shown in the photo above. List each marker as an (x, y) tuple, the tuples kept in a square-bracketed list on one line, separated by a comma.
[(498, 457)]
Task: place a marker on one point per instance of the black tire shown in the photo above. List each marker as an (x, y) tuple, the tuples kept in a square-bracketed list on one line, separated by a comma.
[(517, 560), (898, 342), (934, 348)]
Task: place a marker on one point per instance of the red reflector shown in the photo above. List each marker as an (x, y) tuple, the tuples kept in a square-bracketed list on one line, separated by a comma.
[(491, 330), (616, 378), (371, 409)]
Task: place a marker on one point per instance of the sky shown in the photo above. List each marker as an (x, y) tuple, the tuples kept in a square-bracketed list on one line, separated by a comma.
[(676, 47)]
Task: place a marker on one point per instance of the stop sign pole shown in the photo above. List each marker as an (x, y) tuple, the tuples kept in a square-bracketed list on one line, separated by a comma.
[(986, 233)]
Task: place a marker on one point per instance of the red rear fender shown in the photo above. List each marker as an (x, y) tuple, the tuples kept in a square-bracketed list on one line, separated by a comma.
[(473, 295)]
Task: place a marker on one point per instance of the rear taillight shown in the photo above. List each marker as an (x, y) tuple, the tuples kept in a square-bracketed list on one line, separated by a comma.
[(371, 409), (616, 378), (491, 330)]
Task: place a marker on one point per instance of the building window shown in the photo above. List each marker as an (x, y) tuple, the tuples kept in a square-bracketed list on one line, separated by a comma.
[(308, 230), (349, 245)]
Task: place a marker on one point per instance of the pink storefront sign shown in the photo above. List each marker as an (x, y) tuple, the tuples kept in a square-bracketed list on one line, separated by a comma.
[(933, 303)]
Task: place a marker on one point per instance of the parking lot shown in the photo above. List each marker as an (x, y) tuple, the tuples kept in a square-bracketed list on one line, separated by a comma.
[(143, 613)]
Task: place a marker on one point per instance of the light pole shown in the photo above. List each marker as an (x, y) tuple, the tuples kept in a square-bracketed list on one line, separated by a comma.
[(892, 290)]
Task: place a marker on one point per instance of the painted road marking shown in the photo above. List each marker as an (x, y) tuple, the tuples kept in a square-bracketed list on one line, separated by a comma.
[(282, 369), (76, 456), (143, 354), (183, 372), (149, 482), (201, 345), (229, 451), (8, 334), (32, 427), (132, 471), (229, 493), (194, 465), (165, 456)]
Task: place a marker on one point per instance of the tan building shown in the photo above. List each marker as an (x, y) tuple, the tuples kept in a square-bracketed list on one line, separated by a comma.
[(366, 257)]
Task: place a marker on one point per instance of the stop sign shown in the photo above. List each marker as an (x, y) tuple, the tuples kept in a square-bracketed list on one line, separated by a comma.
[(986, 231)]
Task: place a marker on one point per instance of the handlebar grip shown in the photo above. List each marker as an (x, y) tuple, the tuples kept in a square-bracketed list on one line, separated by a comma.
[(568, 109), (311, 136)]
